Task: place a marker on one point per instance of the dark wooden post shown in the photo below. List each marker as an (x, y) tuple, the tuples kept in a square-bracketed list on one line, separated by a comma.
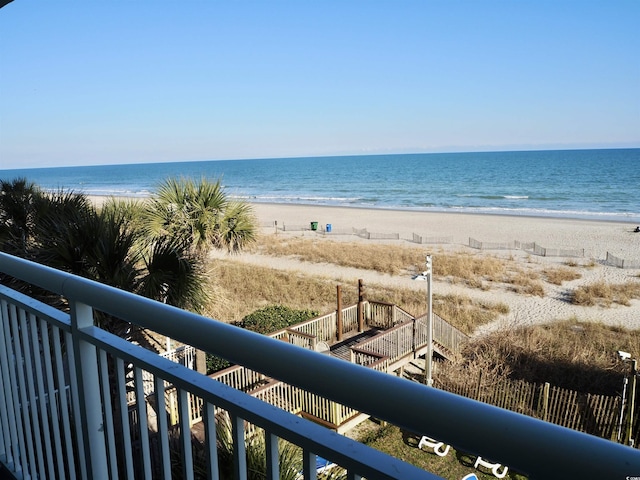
[(339, 314), (360, 306)]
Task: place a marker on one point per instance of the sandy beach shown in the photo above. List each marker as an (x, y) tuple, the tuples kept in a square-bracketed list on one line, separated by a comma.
[(594, 238)]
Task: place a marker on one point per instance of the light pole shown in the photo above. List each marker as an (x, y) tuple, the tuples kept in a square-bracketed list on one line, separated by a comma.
[(428, 361), (629, 386)]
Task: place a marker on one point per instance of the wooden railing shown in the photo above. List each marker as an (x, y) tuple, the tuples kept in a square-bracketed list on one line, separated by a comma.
[(281, 395), (328, 412), (323, 328), (350, 319), (394, 343), (444, 334), (380, 315), (240, 378), (302, 339), (379, 352)]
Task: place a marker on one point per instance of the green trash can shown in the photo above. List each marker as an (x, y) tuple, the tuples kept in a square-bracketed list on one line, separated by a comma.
[(314, 226)]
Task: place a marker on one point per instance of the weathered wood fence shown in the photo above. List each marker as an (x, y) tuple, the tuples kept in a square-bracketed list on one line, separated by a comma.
[(593, 414), (621, 262), (530, 247)]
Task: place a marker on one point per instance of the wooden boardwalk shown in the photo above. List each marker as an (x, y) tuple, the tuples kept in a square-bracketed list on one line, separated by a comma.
[(373, 334)]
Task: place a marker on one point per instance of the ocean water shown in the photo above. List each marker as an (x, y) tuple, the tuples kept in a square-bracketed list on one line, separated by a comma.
[(587, 184)]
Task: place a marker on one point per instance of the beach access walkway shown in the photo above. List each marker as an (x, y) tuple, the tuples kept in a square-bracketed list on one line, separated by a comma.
[(376, 335)]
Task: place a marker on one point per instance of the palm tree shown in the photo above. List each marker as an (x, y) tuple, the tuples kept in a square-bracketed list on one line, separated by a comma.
[(19, 205), (200, 213), (65, 231)]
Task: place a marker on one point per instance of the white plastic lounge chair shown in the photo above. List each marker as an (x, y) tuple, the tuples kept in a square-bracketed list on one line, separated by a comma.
[(497, 469), (439, 448), (322, 466)]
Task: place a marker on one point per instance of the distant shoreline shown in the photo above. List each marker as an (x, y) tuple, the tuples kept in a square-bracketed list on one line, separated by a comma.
[(100, 199), (450, 212), (595, 237)]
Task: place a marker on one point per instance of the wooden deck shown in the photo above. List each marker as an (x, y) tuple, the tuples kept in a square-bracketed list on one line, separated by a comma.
[(391, 338), (342, 349)]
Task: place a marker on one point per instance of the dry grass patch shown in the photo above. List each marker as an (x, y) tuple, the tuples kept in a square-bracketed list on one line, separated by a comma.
[(605, 294), (568, 354), (526, 284), (575, 264), (242, 289), (467, 314), (378, 257), (468, 268), (558, 275), (246, 288)]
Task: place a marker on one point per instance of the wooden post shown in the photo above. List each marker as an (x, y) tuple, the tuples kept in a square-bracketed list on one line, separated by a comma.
[(360, 306), (545, 401), (478, 386), (339, 314)]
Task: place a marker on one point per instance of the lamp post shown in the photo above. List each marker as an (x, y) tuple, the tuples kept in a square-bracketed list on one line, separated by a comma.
[(628, 393), (632, 402), (428, 361)]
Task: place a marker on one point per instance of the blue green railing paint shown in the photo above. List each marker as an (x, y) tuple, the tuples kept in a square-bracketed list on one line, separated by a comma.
[(539, 449)]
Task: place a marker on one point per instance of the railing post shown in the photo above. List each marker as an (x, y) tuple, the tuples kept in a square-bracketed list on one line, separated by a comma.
[(428, 370), (360, 306), (90, 401), (339, 314)]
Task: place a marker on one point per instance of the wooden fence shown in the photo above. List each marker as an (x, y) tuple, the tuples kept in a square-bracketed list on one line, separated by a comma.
[(593, 414), (432, 240), (621, 262), (530, 247)]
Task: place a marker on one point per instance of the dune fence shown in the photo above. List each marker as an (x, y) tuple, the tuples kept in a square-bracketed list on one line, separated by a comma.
[(597, 415), (529, 247), (621, 262)]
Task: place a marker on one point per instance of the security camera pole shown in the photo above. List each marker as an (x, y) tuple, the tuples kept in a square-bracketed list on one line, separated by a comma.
[(632, 401), (628, 400), (428, 361)]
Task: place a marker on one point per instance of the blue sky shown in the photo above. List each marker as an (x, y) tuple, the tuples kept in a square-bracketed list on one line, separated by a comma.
[(88, 82)]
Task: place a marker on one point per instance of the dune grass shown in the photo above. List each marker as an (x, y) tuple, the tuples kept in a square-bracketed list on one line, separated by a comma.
[(569, 354), (605, 294), (559, 275), (242, 289), (472, 269)]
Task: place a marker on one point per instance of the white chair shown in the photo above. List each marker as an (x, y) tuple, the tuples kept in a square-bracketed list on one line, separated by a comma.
[(497, 469), (439, 448)]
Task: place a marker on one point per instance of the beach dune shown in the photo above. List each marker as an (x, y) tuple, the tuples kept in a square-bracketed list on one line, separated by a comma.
[(592, 239)]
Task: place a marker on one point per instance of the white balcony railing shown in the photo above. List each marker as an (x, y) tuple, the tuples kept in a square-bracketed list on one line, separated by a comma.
[(93, 433)]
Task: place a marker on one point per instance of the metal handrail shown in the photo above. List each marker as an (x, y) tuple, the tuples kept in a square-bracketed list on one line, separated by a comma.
[(536, 448)]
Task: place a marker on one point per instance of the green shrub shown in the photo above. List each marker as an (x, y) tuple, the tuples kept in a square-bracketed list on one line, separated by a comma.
[(274, 317), (215, 364)]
